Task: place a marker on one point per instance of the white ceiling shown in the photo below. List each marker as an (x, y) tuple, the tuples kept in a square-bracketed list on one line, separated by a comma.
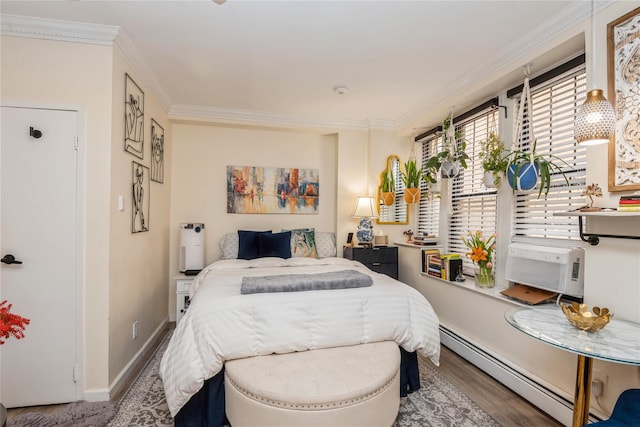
[(279, 61)]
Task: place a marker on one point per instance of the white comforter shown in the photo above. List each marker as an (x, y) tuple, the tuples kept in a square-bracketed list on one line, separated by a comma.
[(221, 324)]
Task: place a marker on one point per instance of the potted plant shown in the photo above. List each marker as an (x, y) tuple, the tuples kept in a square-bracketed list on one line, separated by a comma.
[(411, 177), (591, 191), (452, 158), (525, 168), (387, 188), (493, 161), (11, 324)]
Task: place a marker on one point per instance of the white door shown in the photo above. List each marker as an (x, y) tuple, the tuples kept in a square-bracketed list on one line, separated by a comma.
[(38, 227)]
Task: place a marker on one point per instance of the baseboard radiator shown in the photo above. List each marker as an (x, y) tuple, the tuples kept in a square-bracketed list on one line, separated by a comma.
[(539, 395)]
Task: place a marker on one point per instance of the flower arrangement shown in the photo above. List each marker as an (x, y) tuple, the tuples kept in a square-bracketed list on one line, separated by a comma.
[(592, 191), (408, 233), (11, 325), (481, 254)]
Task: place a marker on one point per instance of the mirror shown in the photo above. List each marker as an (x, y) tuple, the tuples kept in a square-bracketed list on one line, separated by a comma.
[(392, 209)]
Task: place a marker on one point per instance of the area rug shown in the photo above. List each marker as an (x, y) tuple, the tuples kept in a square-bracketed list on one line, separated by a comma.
[(438, 403), (76, 414)]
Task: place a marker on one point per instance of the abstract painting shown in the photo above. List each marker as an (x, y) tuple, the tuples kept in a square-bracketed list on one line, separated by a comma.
[(140, 196), (133, 118), (623, 46), (271, 190), (157, 152)]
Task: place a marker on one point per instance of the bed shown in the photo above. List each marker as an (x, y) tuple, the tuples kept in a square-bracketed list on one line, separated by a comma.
[(224, 324)]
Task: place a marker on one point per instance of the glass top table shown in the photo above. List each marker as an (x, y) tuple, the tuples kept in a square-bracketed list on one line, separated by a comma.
[(618, 342)]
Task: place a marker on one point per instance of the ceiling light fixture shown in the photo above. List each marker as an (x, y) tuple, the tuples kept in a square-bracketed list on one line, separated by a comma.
[(595, 121)]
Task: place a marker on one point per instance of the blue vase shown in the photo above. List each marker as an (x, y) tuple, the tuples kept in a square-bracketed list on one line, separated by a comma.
[(527, 176), (365, 231)]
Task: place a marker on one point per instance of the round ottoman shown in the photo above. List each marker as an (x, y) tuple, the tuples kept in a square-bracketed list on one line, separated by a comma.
[(342, 386)]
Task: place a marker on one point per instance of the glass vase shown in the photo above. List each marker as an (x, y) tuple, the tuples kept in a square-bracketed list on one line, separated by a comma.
[(484, 277)]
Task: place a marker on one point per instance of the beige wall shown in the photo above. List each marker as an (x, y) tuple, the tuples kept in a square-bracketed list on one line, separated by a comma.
[(139, 262)]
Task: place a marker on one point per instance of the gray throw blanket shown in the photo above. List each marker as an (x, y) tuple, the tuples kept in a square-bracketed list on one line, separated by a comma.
[(305, 282)]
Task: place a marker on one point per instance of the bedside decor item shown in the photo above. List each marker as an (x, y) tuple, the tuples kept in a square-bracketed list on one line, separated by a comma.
[(365, 210), (623, 42), (133, 118), (11, 324), (580, 316), (595, 120), (482, 256)]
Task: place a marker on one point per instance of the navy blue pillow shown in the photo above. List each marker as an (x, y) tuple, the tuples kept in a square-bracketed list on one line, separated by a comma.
[(276, 244), (248, 247)]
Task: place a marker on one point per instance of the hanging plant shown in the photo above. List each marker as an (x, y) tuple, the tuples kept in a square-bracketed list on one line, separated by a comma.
[(493, 161), (411, 177), (452, 158), (387, 188), (524, 168)]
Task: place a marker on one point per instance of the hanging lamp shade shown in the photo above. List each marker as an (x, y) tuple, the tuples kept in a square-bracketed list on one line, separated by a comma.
[(595, 121)]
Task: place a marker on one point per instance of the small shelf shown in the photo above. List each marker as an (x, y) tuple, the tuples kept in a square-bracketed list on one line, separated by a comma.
[(594, 239)]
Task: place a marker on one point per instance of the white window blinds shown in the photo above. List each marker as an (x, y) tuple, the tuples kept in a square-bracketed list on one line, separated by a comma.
[(473, 205), (429, 206), (554, 104)]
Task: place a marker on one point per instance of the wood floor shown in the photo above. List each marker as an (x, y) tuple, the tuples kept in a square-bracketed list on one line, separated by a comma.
[(506, 407)]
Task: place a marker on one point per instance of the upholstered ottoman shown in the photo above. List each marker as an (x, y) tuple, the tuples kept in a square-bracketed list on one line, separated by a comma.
[(342, 386)]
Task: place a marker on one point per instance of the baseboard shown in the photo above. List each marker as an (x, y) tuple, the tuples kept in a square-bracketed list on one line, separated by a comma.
[(515, 378), (123, 379)]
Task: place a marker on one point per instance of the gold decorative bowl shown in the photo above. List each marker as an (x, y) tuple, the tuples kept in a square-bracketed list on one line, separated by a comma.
[(582, 318)]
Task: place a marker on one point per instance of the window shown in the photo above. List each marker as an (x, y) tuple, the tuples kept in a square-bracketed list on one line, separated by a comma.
[(473, 205), (429, 206), (554, 102)]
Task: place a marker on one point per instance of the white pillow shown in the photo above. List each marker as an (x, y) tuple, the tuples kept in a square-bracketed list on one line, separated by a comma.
[(229, 245), (325, 244)]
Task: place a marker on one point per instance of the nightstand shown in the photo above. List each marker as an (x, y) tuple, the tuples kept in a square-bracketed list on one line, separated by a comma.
[(183, 284), (382, 259)]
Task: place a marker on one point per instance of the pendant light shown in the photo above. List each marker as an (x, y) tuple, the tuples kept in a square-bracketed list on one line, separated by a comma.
[(595, 121)]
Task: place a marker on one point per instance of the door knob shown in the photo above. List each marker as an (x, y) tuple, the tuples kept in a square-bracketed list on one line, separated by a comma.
[(10, 259)]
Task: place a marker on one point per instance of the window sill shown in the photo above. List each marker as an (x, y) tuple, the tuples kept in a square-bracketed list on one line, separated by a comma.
[(470, 285)]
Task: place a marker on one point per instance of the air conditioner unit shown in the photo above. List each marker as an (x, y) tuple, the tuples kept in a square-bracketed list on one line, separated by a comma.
[(552, 268), (191, 247)]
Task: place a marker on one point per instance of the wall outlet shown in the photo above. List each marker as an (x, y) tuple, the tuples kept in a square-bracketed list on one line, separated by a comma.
[(599, 381), (134, 330)]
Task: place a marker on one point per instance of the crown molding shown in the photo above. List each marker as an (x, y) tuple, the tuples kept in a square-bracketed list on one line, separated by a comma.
[(570, 17), (182, 112), (52, 29)]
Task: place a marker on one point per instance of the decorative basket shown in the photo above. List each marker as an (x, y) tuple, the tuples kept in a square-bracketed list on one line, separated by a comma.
[(580, 317)]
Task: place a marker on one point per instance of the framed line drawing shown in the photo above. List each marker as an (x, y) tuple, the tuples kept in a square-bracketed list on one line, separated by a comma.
[(157, 152), (133, 118), (140, 198), (623, 56)]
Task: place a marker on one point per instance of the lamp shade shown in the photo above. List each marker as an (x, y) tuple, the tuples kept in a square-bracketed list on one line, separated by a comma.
[(365, 207), (595, 121)]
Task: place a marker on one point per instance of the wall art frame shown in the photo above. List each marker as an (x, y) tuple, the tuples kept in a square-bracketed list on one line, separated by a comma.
[(272, 190), (157, 152), (133, 118), (623, 56), (140, 203)]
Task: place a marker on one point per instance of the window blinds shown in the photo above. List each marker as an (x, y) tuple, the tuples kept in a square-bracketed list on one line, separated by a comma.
[(554, 105)]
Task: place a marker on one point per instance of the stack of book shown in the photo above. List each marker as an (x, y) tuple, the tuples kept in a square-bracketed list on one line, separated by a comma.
[(423, 239), (629, 203), (442, 266)]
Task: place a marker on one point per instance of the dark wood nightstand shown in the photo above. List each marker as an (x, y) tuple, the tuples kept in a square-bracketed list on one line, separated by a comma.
[(383, 259)]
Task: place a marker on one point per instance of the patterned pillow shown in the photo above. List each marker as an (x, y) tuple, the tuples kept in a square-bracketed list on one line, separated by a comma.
[(303, 243), (229, 244), (325, 244)]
